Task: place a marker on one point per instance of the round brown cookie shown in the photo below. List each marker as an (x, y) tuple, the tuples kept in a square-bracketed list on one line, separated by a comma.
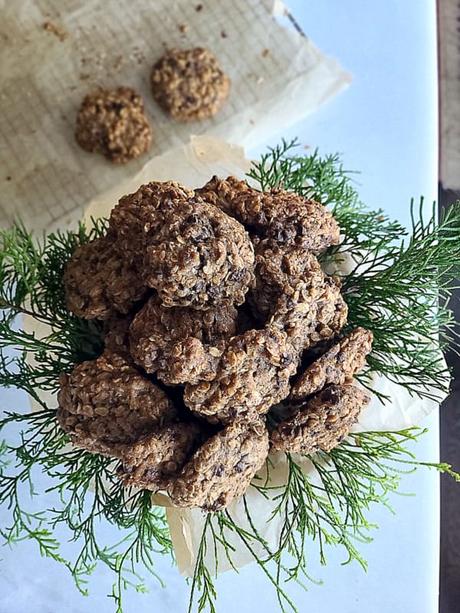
[(223, 467), (226, 194), (99, 281), (135, 220), (331, 313), (280, 270), (343, 360), (285, 217), (113, 122), (190, 361), (314, 312), (322, 422), (253, 374), (105, 402), (189, 84), (153, 461), (200, 258), (170, 340), (293, 220)]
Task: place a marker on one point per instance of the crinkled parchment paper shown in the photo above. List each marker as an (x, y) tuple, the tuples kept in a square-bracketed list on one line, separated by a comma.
[(192, 165), (53, 52)]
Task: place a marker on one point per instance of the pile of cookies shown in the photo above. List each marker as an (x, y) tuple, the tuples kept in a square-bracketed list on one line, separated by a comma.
[(222, 339), (189, 85)]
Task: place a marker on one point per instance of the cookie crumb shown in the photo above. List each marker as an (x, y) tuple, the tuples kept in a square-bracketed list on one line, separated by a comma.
[(223, 34), (182, 27), (198, 8), (138, 55), (118, 62), (265, 52), (55, 29)]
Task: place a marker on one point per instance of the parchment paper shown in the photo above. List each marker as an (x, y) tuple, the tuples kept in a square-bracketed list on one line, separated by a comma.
[(53, 52), (192, 165)]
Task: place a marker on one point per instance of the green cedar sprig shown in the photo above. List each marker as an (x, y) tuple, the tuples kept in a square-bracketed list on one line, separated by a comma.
[(400, 282), (392, 289)]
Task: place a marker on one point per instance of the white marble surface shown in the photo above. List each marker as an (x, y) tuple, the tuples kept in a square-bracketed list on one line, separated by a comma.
[(385, 125)]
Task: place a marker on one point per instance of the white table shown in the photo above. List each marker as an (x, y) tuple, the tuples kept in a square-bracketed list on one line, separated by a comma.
[(385, 126)]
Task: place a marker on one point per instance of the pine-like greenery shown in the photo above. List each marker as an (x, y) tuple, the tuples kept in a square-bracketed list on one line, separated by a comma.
[(394, 288)]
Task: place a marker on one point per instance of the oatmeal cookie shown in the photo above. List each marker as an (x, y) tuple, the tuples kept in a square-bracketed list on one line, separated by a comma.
[(223, 467), (345, 358), (283, 216), (99, 282), (322, 422), (279, 271), (312, 311), (189, 361), (189, 84), (331, 313), (171, 340), (228, 195), (135, 220), (105, 402), (252, 375), (200, 258), (113, 122), (152, 461), (296, 296)]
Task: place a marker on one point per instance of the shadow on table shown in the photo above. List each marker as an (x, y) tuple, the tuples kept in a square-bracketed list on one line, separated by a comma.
[(449, 586)]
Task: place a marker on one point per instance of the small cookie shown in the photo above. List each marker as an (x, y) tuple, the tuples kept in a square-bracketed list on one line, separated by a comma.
[(343, 360), (170, 340), (135, 220), (199, 258), (283, 216), (189, 251), (113, 122), (106, 402), (189, 84), (223, 467), (322, 422), (253, 374), (153, 461), (280, 270), (191, 362), (99, 282), (314, 312)]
